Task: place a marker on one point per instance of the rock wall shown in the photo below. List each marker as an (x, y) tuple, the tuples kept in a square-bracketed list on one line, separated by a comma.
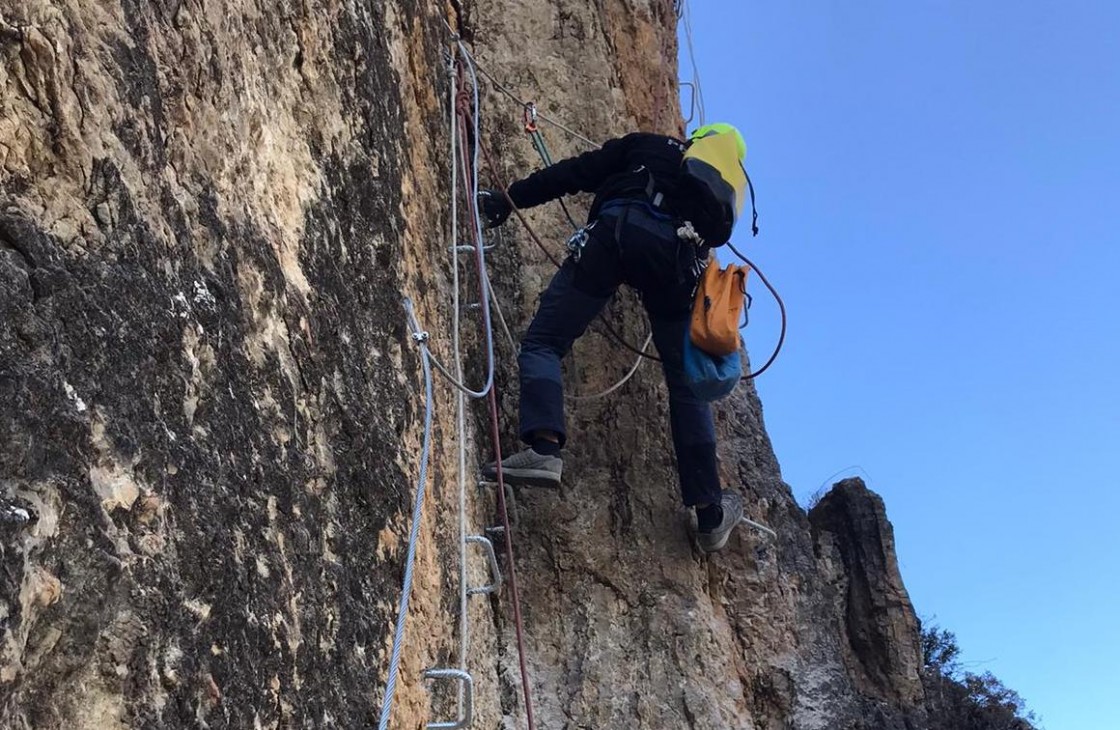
[(211, 407)]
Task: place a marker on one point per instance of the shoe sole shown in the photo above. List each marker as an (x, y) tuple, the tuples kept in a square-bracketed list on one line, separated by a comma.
[(527, 478), (720, 545)]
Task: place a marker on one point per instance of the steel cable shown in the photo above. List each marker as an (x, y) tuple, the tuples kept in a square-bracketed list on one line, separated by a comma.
[(421, 338), (495, 435)]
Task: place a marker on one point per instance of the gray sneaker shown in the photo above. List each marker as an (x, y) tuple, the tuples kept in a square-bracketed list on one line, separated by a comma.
[(527, 468), (716, 539)]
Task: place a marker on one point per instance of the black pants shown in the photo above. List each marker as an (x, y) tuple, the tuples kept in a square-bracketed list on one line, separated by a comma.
[(629, 243)]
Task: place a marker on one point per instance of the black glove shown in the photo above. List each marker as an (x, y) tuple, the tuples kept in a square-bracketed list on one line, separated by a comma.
[(495, 207)]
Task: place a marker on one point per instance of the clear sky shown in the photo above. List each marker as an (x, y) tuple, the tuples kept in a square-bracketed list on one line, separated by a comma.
[(934, 184)]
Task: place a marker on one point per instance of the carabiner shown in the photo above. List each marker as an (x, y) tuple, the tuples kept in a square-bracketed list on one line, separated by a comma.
[(529, 116), (576, 243)]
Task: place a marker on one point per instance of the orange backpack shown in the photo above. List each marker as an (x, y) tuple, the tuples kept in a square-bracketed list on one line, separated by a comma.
[(717, 309)]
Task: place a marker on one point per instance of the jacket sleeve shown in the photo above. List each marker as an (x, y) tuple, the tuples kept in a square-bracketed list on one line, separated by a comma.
[(583, 173)]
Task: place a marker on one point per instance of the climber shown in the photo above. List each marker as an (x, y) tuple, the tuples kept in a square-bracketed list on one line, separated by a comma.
[(642, 198)]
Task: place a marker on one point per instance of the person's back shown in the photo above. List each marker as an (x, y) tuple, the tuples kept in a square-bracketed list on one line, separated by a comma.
[(638, 166)]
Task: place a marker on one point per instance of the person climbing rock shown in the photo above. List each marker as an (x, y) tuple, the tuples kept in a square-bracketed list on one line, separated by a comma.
[(642, 198)]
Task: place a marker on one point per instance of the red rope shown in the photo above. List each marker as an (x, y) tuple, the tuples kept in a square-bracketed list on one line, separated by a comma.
[(463, 114)]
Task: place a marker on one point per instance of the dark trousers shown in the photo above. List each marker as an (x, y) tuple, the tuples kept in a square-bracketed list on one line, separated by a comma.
[(632, 244)]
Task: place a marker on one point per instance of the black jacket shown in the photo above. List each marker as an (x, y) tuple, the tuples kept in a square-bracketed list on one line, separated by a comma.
[(621, 168)]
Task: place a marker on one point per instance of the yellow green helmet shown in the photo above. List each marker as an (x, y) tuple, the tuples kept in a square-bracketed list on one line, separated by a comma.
[(721, 128)]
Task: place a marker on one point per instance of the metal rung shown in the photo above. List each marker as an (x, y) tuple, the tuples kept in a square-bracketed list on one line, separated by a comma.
[(494, 569), (468, 248), (468, 697)]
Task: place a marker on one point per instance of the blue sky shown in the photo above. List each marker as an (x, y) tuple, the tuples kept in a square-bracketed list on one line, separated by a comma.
[(934, 181)]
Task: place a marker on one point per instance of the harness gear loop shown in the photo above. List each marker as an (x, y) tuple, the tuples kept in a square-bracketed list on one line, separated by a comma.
[(529, 116)]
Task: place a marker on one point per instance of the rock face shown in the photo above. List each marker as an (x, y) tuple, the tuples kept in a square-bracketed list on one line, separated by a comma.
[(855, 539), (211, 407)]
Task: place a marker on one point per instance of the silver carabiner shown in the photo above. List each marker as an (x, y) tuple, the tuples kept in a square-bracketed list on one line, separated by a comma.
[(578, 240), (576, 243)]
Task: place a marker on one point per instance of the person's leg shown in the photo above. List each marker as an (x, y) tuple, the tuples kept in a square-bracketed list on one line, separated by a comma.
[(694, 441), (576, 294), (565, 311), (661, 267), (690, 418)]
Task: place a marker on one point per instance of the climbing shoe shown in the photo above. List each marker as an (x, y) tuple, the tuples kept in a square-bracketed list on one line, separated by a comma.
[(528, 468), (715, 538)]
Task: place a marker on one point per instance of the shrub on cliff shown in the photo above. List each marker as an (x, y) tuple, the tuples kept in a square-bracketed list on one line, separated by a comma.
[(962, 700)]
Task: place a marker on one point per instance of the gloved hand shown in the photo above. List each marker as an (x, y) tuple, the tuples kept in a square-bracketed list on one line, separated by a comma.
[(495, 207)]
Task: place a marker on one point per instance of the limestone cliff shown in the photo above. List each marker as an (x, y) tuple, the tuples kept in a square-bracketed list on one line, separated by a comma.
[(210, 403)]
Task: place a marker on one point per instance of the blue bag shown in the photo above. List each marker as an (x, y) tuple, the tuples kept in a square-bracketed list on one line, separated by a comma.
[(710, 377)]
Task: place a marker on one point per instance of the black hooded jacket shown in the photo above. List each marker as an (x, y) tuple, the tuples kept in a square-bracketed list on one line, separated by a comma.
[(621, 168)]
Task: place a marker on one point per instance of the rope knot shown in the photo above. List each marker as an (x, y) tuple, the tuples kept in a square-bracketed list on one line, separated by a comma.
[(463, 102)]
